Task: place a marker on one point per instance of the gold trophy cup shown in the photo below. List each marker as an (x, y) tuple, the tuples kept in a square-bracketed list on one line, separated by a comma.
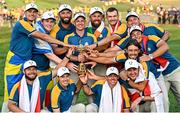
[(81, 67)]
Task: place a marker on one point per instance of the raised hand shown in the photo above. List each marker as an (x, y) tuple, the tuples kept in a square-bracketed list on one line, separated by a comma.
[(72, 67), (93, 53), (92, 46), (70, 51), (135, 103), (123, 75), (81, 58), (84, 79), (93, 64), (144, 58), (68, 45), (91, 75)]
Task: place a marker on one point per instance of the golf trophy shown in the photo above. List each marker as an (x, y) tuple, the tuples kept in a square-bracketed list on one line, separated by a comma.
[(81, 67)]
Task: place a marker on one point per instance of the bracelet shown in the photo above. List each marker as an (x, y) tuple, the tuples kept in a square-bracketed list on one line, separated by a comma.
[(67, 57), (142, 97), (151, 56)]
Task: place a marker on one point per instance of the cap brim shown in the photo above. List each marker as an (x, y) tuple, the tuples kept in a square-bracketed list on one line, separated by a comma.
[(78, 17), (95, 12), (30, 66), (32, 8), (48, 18), (111, 74), (135, 30), (65, 9), (133, 16), (132, 67), (63, 74)]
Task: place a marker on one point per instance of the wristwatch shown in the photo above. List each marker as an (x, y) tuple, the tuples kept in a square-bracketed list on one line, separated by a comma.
[(142, 97), (151, 56)]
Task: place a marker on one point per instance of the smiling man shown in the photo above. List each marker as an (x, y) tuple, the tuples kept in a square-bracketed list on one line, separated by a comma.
[(153, 94), (107, 91), (21, 45), (63, 92), (80, 37), (25, 94), (61, 29)]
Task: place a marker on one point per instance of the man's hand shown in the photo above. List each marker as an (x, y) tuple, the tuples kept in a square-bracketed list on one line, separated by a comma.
[(83, 79), (92, 46), (93, 64), (81, 58), (145, 58), (70, 51), (123, 75), (91, 75), (68, 45), (135, 103), (93, 53), (72, 67)]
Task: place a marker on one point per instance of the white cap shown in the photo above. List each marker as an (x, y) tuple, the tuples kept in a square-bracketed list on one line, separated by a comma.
[(79, 14), (132, 13), (130, 63), (65, 6), (47, 15), (112, 70), (62, 70), (95, 9), (135, 27), (29, 63), (31, 6)]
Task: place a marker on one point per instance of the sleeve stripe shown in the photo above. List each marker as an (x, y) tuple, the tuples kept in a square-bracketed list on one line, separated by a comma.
[(126, 98), (27, 26), (55, 97)]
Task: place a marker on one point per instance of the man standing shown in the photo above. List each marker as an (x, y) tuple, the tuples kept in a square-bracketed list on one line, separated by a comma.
[(60, 30), (132, 18), (97, 27), (80, 38), (115, 25), (110, 96), (25, 94), (21, 47)]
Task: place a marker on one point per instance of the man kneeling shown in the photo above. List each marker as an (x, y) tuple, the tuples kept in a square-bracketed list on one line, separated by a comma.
[(63, 92), (25, 94), (110, 96)]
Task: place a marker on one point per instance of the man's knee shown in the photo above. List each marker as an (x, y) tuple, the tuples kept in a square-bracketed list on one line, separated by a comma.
[(91, 108), (78, 108)]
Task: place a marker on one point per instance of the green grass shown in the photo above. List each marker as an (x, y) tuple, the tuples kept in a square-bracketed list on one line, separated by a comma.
[(5, 34)]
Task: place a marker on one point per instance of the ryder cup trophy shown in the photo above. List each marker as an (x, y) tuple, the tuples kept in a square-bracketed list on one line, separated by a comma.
[(81, 67)]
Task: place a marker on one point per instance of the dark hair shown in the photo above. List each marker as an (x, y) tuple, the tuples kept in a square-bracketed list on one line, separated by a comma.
[(135, 43), (111, 9)]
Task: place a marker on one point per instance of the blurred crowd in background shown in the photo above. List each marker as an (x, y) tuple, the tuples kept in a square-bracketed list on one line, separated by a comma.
[(148, 13)]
